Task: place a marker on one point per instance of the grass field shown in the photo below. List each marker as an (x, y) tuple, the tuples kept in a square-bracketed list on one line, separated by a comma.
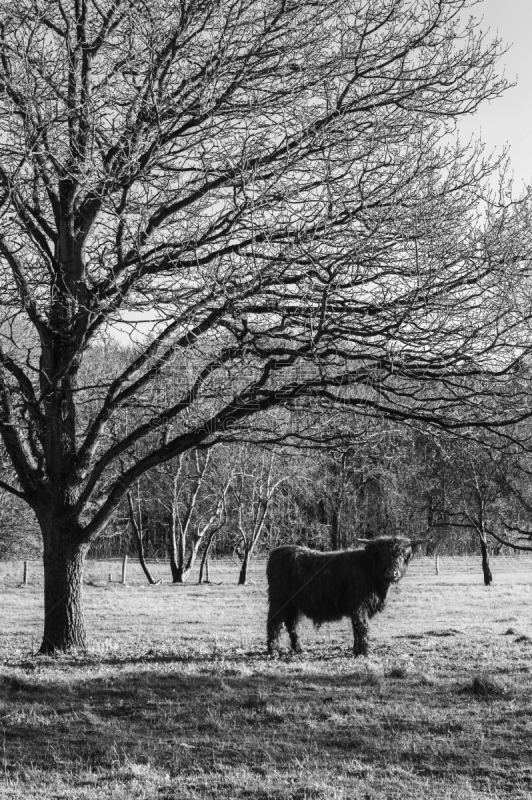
[(177, 699)]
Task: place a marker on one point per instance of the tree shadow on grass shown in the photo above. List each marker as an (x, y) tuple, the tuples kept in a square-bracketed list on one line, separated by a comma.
[(179, 721), (216, 655)]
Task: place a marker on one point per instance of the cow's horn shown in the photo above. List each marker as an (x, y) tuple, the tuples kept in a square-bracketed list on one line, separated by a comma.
[(363, 541)]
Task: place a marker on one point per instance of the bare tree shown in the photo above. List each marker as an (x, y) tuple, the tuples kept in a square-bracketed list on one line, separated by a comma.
[(273, 187), (135, 518), (185, 489), (253, 488), (194, 498), (207, 529), (475, 492), (469, 489), (177, 555), (338, 480), (203, 576)]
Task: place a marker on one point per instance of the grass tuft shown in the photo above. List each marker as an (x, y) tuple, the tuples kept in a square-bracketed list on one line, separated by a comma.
[(398, 673), (486, 686), (255, 702)]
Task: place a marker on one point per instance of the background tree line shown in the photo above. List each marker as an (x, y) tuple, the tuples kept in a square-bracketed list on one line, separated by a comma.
[(323, 482)]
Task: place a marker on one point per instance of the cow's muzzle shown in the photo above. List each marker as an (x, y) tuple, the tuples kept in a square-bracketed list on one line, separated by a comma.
[(393, 575)]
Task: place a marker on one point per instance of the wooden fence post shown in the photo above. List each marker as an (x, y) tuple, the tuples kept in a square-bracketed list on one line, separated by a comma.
[(110, 577), (124, 569), (25, 578), (437, 565)]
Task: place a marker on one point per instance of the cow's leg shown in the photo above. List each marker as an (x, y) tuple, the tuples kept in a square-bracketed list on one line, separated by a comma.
[(360, 633), (291, 620), (274, 625)]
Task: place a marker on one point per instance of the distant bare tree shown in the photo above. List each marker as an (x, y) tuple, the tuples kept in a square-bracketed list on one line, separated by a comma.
[(469, 490), (253, 488), (182, 506), (135, 518), (476, 492), (194, 497), (208, 529)]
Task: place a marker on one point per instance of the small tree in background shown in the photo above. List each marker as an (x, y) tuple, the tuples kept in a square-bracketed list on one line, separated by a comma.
[(181, 505), (135, 518), (472, 488), (253, 488)]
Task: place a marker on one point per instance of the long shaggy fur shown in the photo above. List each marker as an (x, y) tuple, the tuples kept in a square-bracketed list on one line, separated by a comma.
[(329, 586)]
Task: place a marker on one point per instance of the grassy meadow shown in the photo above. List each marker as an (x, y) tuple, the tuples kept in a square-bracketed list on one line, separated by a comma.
[(176, 698)]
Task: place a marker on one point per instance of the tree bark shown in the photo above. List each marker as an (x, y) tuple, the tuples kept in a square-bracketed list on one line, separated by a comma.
[(177, 555), (192, 558), (204, 566), (335, 529), (178, 574), (479, 525), (174, 568), (142, 560), (182, 571), (64, 622), (243, 577), (485, 560), (137, 530)]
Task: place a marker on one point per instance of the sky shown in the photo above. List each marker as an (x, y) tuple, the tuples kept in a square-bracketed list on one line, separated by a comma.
[(508, 120)]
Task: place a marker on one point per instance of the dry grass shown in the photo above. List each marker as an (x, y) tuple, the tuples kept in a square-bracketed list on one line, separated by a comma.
[(176, 698)]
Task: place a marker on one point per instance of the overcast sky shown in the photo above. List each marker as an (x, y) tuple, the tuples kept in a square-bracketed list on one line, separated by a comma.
[(509, 119)]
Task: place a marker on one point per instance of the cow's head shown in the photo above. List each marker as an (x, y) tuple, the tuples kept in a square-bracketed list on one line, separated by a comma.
[(390, 556)]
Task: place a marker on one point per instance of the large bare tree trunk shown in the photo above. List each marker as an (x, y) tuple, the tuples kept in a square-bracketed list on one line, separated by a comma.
[(64, 622)]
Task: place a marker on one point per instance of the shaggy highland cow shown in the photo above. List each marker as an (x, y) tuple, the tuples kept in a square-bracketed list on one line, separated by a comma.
[(328, 586)]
